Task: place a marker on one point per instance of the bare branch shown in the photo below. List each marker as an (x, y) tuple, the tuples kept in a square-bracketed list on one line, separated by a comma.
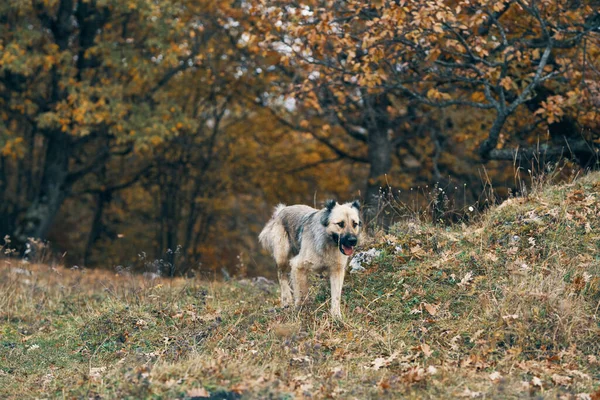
[(470, 55), (321, 139), (523, 97), (547, 152), (315, 164), (120, 185), (96, 163), (494, 20), (355, 131)]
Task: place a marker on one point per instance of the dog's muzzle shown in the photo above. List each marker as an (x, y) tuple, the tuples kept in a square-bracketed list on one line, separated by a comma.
[(347, 244)]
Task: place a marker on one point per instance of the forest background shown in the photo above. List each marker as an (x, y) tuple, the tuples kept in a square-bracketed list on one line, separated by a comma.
[(158, 135)]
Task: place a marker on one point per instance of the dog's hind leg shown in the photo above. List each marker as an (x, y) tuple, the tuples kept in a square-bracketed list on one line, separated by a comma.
[(299, 279), (284, 286), (281, 253), (336, 278)]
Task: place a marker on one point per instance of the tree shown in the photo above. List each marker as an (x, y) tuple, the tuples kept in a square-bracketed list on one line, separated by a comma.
[(155, 125), (84, 81), (509, 57), (368, 68)]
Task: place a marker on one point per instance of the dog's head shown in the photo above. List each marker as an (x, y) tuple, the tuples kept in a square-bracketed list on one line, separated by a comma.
[(343, 225)]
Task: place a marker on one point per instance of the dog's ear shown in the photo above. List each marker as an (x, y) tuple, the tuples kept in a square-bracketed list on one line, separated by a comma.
[(356, 204), (329, 204), (325, 218)]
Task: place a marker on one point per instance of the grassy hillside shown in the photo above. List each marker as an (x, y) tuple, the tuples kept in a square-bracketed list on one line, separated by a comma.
[(504, 308)]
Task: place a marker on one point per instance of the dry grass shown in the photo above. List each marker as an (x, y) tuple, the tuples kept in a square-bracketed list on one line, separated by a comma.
[(504, 308)]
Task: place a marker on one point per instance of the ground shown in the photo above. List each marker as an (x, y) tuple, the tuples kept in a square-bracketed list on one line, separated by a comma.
[(504, 307)]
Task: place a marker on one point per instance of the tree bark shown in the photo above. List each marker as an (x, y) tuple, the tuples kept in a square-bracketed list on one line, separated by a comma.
[(379, 151), (53, 190), (103, 198), (492, 141), (380, 161), (586, 154)]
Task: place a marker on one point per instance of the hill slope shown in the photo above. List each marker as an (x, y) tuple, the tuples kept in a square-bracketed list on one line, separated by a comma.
[(507, 307)]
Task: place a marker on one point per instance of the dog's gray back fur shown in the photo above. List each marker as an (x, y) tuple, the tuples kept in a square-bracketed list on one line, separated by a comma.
[(296, 220)]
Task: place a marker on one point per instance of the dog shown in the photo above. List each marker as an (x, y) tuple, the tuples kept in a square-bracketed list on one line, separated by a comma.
[(302, 239)]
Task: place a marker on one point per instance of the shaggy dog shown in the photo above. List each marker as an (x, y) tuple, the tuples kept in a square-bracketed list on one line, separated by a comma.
[(303, 239)]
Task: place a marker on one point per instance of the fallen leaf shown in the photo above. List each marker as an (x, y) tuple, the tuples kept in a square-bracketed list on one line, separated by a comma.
[(490, 257), (561, 380), (380, 362), (384, 384), (414, 374), (579, 374), (454, 342), (431, 309), (426, 349), (337, 372), (466, 280), (301, 360), (96, 373), (417, 251), (495, 376), (476, 335)]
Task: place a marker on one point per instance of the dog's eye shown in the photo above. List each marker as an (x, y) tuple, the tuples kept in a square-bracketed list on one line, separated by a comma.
[(354, 224), (341, 224)]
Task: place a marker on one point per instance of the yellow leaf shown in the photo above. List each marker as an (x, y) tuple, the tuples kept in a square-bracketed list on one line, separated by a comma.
[(478, 96), (506, 83), (433, 94), (156, 140)]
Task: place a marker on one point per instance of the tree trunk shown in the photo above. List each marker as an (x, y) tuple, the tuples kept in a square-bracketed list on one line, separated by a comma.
[(52, 192), (379, 150), (172, 227), (103, 198), (380, 160), (491, 142)]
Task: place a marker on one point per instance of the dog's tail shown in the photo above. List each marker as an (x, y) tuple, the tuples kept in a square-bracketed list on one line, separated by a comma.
[(266, 237)]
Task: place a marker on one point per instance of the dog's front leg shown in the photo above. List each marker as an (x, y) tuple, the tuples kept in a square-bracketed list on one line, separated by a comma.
[(336, 278)]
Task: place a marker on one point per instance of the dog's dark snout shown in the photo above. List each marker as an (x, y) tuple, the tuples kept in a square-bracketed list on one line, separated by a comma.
[(351, 240)]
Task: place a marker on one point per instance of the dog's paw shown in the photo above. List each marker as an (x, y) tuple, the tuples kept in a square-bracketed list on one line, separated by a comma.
[(337, 324), (336, 316)]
